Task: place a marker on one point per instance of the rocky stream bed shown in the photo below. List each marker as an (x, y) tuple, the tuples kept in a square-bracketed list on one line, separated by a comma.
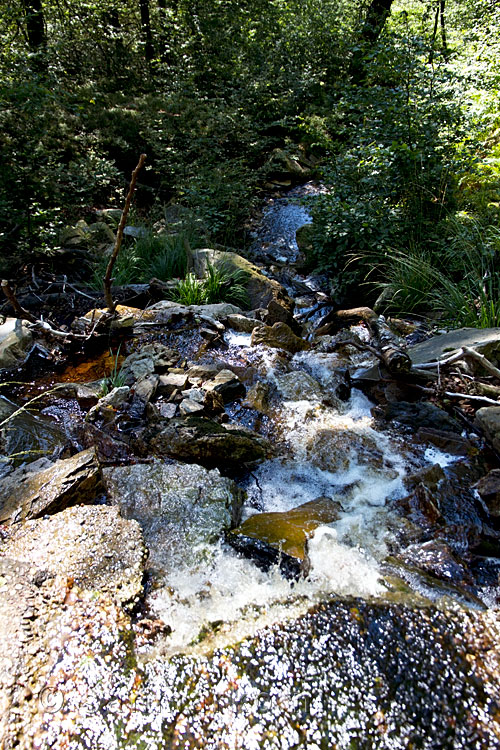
[(254, 539)]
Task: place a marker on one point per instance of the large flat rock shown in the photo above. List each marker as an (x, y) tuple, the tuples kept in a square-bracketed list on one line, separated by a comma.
[(485, 340), (27, 493)]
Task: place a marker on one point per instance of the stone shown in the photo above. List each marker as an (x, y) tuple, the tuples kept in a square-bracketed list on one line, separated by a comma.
[(299, 386), (279, 336), (30, 494), (258, 397), (242, 324), (203, 441), (188, 406), (183, 509), (168, 384), (486, 341), (489, 489), (93, 545), (147, 360), (277, 313), (15, 343), (260, 289), (199, 374), (281, 538), (227, 384), (488, 419), (109, 404), (335, 450), (168, 411), (420, 414)]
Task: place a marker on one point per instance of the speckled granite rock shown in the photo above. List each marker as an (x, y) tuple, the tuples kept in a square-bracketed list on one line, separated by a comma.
[(93, 545)]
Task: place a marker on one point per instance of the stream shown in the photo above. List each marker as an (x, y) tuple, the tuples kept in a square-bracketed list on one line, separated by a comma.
[(367, 647)]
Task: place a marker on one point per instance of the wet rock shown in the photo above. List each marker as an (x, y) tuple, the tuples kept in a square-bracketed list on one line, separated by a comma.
[(260, 289), (109, 447), (169, 384), (488, 419), (258, 397), (489, 489), (24, 436), (277, 313), (335, 450), (242, 324), (448, 442), (108, 405), (203, 441), (31, 494), (199, 374), (15, 342), (281, 538), (279, 336), (183, 509), (142, 393), (149, 359), (486, 341), (420, 414), (435, 557), (227, 385), (299, 386), (94, 546)]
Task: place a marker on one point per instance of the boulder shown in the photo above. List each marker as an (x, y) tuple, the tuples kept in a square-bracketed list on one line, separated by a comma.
[(94, 546), (26, 494), (277, 313), (486, 341), (169, 384), (335, 450), (303, 238), (203, 441), (281, 538), (260, 289), (108, 405), (279, 336), (488, 419), (189, 406), (183, 509), (420, 414)]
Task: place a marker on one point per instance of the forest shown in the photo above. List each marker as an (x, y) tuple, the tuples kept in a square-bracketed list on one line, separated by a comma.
[(393, 106)]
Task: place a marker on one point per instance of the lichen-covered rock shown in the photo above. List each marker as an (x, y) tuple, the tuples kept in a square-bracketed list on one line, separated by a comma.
[(279, 336), (148, 359), (183, 509), (26, 494), (92, 545)]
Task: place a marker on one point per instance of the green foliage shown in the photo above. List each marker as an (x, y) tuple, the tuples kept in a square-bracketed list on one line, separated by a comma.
[(463, 283), (221, 284), (152, 255), (116, 378)]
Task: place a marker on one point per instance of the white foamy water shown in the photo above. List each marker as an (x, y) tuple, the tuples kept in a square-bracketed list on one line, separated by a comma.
[(228, 597)]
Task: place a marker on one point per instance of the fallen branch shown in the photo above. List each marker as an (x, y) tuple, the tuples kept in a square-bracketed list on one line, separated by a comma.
[(119, 236), (462, 396), (488, 366), (41, 325)]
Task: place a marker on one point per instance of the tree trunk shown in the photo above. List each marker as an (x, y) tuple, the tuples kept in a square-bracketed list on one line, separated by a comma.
[(377, 15), (35, 28), (146, 30)]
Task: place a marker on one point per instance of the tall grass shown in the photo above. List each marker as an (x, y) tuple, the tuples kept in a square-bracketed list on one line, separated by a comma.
[(462, 283)]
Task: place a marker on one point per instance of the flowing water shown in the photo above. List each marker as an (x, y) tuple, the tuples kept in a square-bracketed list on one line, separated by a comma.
[(348, 656)]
